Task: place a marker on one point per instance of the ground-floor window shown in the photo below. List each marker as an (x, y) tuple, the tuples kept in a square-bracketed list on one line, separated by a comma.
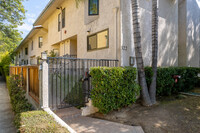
[(98, 40)]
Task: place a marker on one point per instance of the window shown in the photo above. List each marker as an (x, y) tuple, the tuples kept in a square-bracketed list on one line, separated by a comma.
[(63, 18), (93, 7), (32, 45), (26, 51), (99, 40), (40, 42), (59, 22)]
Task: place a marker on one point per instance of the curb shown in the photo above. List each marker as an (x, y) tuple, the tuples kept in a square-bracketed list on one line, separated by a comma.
[(60, 121)]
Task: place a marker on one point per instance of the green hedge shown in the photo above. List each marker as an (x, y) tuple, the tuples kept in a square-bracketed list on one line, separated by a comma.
[(17, 95), (165, 83), (113, 88)]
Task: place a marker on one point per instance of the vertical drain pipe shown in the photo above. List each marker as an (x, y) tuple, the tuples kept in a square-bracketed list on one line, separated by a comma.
[(116, 9)]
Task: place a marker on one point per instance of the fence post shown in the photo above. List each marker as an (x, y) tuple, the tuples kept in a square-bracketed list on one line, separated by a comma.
[(27, 81), (45, 84)]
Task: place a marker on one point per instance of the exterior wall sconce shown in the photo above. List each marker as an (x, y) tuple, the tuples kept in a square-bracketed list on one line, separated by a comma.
[(132, 61), (44, 55), (89, 30)]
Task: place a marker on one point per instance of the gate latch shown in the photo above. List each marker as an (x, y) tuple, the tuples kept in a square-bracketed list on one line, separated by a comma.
[(86, 77)]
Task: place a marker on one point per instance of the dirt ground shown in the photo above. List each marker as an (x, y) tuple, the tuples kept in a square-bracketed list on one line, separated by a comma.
[(176, 114)]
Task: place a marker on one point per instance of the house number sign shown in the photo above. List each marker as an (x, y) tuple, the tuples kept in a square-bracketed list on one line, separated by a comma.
[(124, 47)]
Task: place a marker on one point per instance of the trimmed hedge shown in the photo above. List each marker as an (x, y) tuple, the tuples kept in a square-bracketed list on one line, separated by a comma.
[(166, 84), (17, 96), (113, 88)]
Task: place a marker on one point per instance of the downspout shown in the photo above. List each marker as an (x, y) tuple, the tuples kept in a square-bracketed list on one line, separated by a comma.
[(116, 9)]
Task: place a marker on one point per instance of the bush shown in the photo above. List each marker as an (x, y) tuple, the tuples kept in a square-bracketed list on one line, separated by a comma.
[(113, 88), (17, 95), (166, 84), (5, 61)]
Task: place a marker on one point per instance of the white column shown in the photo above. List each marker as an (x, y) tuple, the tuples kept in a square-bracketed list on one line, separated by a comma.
[(45, 85)]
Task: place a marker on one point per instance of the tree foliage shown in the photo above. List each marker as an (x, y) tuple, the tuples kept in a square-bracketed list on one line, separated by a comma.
[(12, 13)]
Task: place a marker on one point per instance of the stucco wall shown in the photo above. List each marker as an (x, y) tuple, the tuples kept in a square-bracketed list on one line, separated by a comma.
[(167, 32), (127, 44), (77, 24), (193, 33), (182, 56)]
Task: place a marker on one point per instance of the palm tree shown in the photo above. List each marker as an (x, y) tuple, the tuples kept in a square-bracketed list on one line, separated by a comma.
[(152, 89), (138, 52)]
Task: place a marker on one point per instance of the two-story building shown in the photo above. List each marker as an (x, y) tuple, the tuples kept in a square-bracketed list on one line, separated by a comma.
[(102, 29)]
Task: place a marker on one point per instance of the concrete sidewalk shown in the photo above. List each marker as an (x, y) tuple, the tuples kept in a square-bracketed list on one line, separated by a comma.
[(6, 114), (81, 124)]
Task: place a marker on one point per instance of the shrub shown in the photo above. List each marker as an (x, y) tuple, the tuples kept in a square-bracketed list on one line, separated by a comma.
[(166, 84), (113, 88), (5, 61), (17, 95)]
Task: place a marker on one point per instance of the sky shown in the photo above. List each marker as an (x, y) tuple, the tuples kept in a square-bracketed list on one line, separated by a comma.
[(34, 8)]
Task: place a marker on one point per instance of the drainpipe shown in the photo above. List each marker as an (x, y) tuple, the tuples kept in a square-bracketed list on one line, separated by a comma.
[(116, 9)]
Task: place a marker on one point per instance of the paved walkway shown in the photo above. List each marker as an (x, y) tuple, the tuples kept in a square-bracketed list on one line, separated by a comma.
[(6, 114), (81, 124)]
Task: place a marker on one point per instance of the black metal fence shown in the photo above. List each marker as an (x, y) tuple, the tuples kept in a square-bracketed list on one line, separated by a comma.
[(69, 80)]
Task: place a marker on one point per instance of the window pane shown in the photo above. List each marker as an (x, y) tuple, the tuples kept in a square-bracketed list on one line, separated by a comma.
[(102, 39), (92, 42), (59, 22), (63, 18), (40, 42), (93, 7)]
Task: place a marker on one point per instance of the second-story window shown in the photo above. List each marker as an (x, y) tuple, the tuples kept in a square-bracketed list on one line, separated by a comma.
[(93, 7), (26, 51), (59, 22), (32, 45), (63, 18), (40, 42)]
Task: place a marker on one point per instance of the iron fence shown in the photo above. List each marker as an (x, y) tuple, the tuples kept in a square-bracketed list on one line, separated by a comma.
[(69, 80)]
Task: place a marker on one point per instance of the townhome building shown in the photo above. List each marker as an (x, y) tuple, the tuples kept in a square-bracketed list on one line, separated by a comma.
[(102, 29)]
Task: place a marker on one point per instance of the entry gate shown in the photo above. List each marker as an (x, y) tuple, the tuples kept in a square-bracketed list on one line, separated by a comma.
[(69, 80)]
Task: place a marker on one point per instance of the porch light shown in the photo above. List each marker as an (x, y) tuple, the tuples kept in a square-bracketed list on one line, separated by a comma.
[(44, 55), (131, 61)]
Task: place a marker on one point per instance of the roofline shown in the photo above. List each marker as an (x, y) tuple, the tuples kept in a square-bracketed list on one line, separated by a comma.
[(43, 12), (24, 39)]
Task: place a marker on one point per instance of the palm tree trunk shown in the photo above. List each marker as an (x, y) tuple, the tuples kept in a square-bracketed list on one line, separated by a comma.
[(138, 51), (152, 89)]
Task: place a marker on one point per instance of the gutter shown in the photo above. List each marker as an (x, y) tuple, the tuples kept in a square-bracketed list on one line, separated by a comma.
[(43, 12)]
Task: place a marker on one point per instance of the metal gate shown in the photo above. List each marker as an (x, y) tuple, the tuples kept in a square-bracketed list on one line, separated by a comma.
[(69, 80)]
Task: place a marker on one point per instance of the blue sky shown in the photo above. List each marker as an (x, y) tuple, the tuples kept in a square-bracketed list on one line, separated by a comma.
[(34, 8)]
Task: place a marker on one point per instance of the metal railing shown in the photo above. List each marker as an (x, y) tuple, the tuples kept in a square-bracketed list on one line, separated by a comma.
[(69, 82)]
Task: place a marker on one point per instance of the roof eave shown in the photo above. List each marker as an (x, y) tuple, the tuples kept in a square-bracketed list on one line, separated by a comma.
[(43, 12)]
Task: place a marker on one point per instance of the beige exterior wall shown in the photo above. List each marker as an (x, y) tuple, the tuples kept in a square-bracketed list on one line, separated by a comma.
[(72, 39)]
